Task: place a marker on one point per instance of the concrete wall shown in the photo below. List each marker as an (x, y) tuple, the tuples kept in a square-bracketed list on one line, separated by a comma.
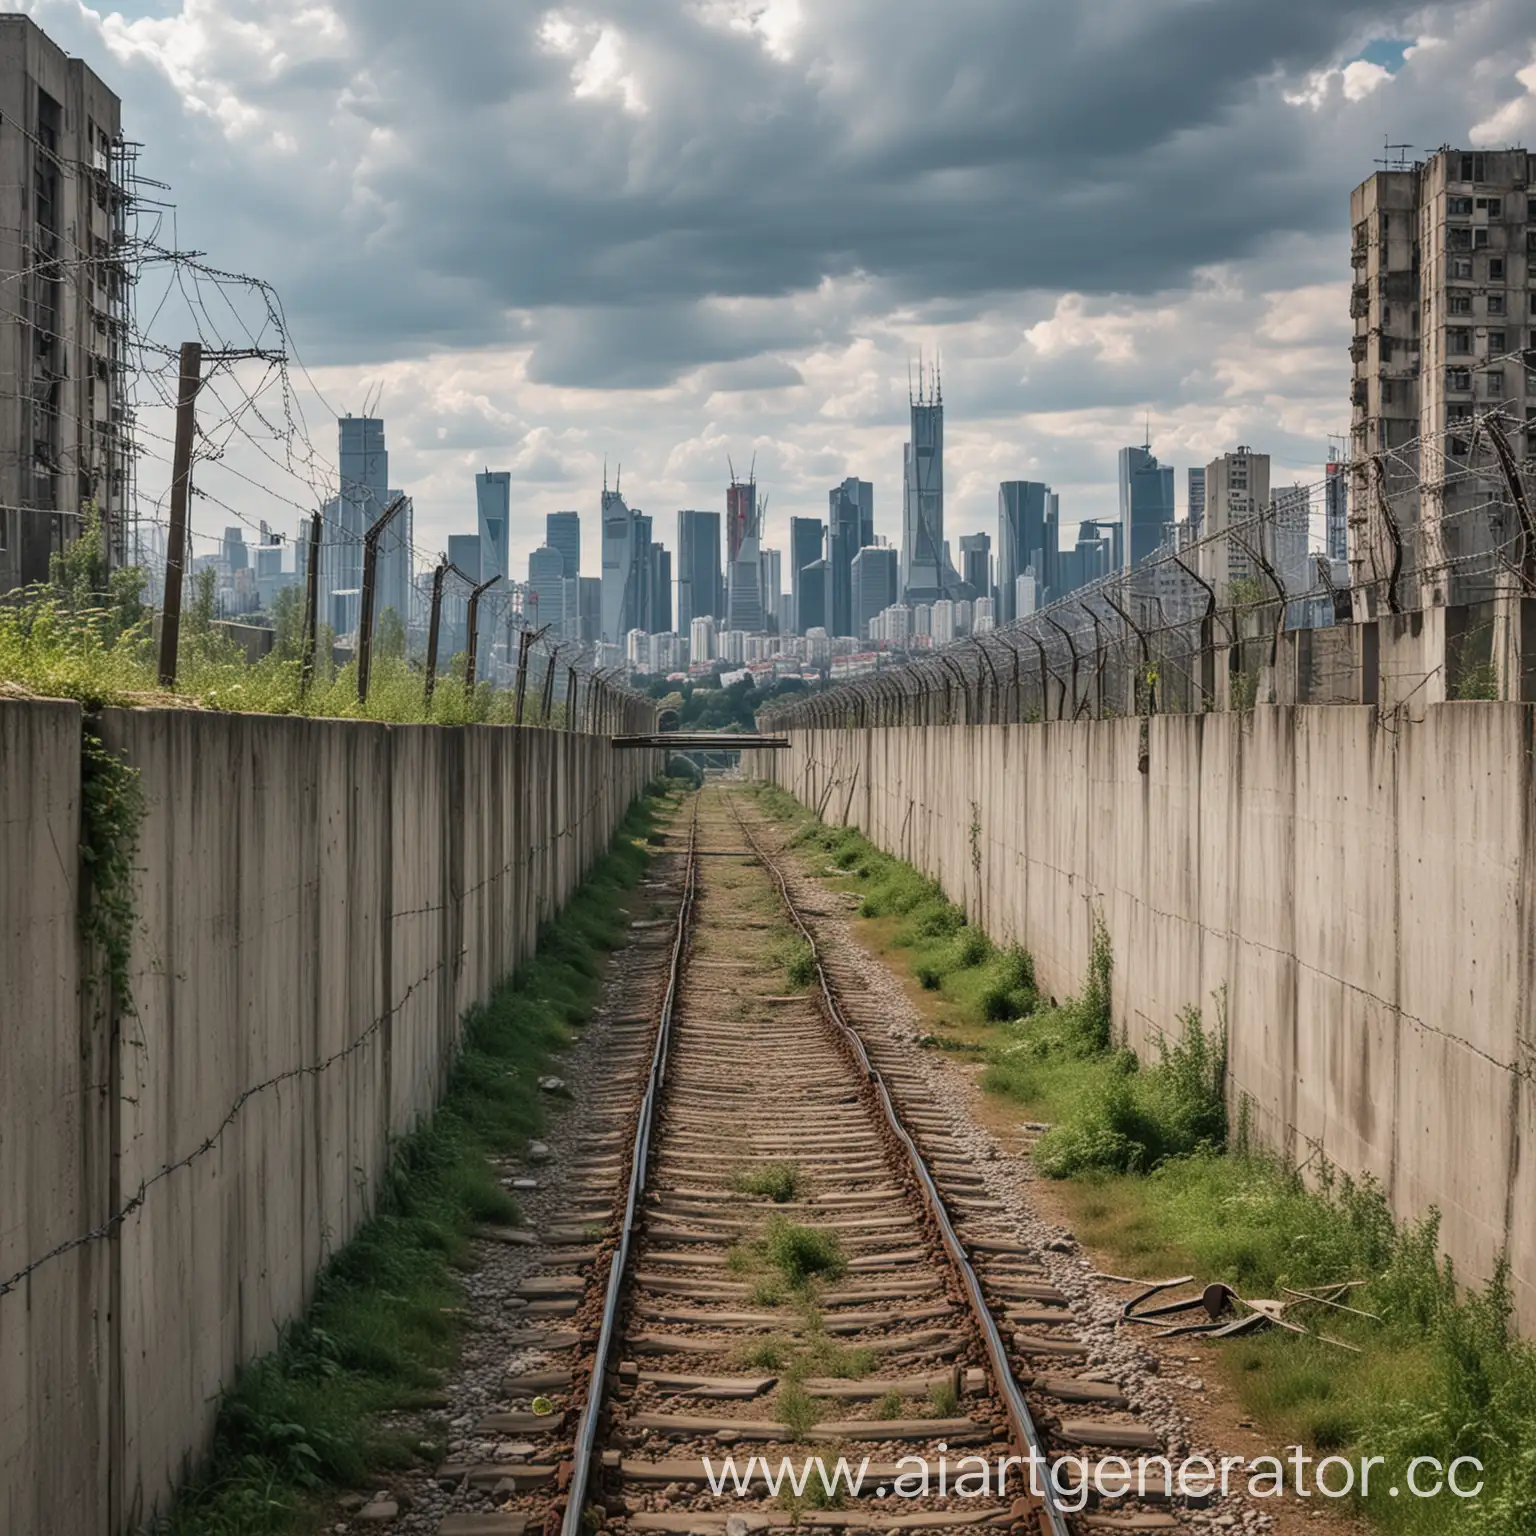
[(317, 904), (1361, 893)]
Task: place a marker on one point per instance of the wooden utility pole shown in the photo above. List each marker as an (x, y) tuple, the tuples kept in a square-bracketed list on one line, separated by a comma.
[(472, 647), (181, 484), (370, 583), (434, 627), (525, 642), (311, 605), (547, 703)]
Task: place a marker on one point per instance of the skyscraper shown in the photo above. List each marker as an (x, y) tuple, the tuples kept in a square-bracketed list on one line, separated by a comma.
[(811, 605), (771, 583), (562, 531), (626, 568), (493, 510), (922, 524), (845, 524), (659, 614), (1027, 535), (1196, 501), (464, 553), (1146, 502), (743, 595), (874, 585), (976, 563), (700, 586), (805, 545), (546, 589), (362, 497)]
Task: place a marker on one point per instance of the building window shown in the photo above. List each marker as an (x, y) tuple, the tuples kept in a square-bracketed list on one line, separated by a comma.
[(1494, 205), (1458, 304), (1458, 205), (1458, 379), (1495, 268), (1472, 167), (1458, 339), (1457, 239), (1458, 411), (1493, 386), (1496, 343), (1461, 266), (1530, 205), (1480, 237)]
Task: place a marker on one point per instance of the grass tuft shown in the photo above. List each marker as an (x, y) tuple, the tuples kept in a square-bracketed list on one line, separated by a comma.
[(779, 1182), (801, 1253)]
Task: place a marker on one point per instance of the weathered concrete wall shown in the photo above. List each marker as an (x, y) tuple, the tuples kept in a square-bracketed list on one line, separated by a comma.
[(1359, 892), (317, 904)]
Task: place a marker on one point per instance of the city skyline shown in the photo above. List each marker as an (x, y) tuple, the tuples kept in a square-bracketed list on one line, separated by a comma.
[(1228, 328)]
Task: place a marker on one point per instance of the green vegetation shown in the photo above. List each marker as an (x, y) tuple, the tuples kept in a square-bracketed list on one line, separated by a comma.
[(384, 1322), (798, 1411), (111, 813), (890, 1405), (1161, 1183), (779, 1182), (944, 1400), (86, 635), (800, 1253)]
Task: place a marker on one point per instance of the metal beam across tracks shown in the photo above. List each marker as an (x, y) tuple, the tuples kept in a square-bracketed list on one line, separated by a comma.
[(703, 741)]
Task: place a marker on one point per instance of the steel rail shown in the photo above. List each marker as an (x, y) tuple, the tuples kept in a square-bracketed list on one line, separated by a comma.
[(997, 1353), (571, 1523)]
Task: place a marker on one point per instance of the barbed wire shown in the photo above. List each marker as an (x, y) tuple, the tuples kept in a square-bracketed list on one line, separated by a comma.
[(1201, 622)]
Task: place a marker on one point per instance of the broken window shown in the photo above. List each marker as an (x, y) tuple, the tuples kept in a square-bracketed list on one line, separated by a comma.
[(1459, 239), (1458, 205)]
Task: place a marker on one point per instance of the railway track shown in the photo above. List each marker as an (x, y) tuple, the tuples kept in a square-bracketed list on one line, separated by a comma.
[(778, 1257)]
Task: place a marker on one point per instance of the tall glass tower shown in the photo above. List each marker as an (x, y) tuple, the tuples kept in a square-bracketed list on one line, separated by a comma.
[(922, 521)]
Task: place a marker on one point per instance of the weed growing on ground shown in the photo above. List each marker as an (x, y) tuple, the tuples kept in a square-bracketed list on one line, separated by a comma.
[(889, 1406), (944, 1400), (801, 1253), (779, 1182), (798, 1411), (386, 1317)]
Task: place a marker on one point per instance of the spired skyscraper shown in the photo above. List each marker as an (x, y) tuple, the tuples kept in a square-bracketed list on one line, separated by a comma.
[(1146, 502), (922, 517), (743, 573), (626, 567)]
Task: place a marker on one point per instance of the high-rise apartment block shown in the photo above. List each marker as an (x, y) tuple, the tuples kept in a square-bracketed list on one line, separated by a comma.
[(1444, 256), (64, 170), (1236, 492), (850, 525)]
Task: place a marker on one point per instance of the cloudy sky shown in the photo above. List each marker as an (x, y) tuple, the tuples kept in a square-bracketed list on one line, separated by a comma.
[(662, 232)]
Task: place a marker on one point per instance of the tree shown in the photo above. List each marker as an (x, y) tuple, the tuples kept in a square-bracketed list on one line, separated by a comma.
[(288, 622), (389, 637)]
